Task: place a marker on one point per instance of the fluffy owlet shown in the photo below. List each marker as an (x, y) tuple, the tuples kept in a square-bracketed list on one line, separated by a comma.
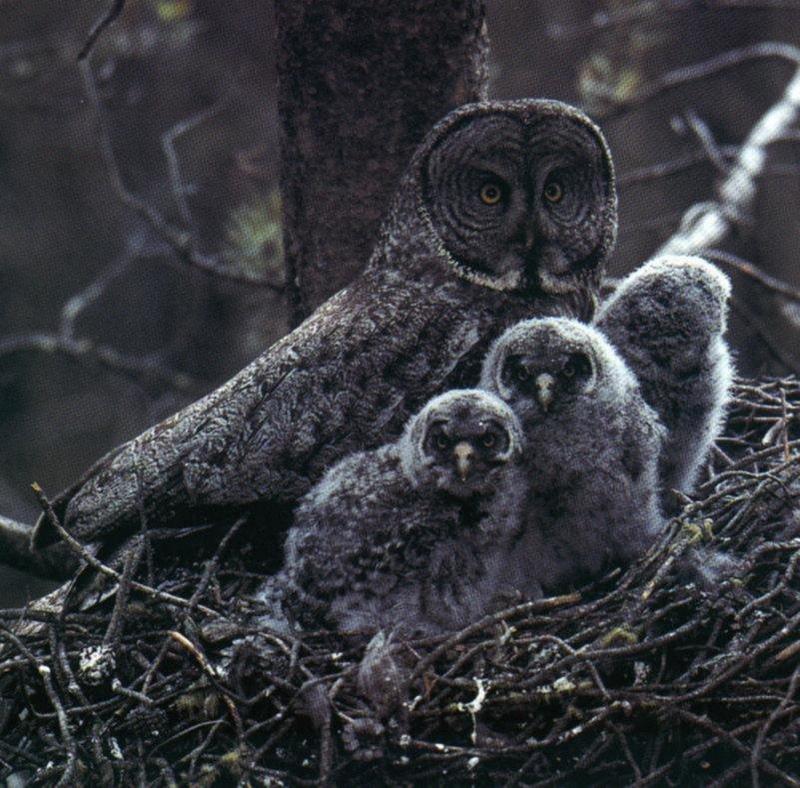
[(410, 535), (667, 320), (591, 450), (507, 210)]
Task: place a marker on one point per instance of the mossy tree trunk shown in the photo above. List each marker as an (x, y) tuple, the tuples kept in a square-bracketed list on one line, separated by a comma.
[(361, 81)]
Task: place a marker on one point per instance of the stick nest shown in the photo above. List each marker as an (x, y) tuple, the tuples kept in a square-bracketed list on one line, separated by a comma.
[(652, 675)]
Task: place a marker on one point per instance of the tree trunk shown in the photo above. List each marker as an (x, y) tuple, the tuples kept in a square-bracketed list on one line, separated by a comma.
[(361, 81)]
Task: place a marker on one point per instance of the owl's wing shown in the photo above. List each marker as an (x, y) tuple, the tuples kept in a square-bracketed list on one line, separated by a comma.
[(198, 457), (344, 380)]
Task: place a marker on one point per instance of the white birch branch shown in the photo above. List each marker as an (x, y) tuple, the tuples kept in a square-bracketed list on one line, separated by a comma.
[(705, 225)]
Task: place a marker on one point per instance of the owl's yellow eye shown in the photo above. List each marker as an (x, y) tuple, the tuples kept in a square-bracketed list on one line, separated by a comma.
[(491, 193), (553, 192)]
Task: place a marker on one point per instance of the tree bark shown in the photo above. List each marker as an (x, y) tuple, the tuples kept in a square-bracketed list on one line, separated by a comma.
[(361, 81)]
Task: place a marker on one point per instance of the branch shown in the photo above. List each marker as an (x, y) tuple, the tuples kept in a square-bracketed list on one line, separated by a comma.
[(88, 350), (601, 21), (706, 224), (180, 240), (168, 139), (117, 7), (15, 540), (85, 555), (771, 283)]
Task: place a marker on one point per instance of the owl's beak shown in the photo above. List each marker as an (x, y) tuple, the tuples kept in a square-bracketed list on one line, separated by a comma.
[(463, 453), (544, 390), (529, 238)]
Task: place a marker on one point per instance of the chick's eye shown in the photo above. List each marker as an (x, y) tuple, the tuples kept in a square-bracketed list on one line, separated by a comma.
[(488, 440), (491, 193), (570, 369), (441, 441), (553, 192), (521, 374)]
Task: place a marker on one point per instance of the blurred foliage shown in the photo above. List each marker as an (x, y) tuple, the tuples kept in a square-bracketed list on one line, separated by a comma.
[(253, 242), (173, 10), (613, 71)]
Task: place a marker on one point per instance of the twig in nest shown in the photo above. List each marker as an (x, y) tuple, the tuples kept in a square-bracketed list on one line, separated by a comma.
[(213, 677), (86, 556)]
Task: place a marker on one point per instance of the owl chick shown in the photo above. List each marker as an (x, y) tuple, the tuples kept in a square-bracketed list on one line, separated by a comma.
[(667, 320), (409, 535), (591, 451)]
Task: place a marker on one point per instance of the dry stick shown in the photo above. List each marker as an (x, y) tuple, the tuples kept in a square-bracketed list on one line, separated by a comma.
[(116, 624), (723, 735), (753, 272), (100, 25), (63, 723), (84, 350), (652, 172), (605, 20), (213, 677), (707, 142), (705, 225), (168, 139), (86, 556), (761, 328), (180, 240), (212, 565), (755, 759), (528, 607), (141, 370)]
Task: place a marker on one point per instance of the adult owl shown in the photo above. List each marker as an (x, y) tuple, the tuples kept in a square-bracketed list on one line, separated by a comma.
[(507, 210), (411, 536), (667, 319), (591, 451)]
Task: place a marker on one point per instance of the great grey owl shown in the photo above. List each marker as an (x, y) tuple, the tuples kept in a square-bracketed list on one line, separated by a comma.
[(591, 451), (507, 210), (409, 536), (667, 320)]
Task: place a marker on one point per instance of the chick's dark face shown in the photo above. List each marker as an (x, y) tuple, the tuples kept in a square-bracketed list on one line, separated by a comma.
[(544, 383), (464, 451)]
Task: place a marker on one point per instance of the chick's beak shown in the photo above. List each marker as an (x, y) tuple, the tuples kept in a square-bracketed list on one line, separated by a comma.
[(544, 390), (463, 453)]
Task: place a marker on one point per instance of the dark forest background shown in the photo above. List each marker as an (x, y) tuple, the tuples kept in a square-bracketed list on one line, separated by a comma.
[(104, 331)]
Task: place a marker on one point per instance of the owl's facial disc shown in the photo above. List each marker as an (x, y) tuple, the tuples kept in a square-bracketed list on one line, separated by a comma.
[(464, 450), (521, 205), (475, 197), (545, 382), (571, 203)]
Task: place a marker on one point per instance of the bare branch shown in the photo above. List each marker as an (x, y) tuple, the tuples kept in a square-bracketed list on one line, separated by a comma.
[(713, 151), (15, 541), (771, 283), (87, 350), (117, 7), (181, 241), (705, 225), (168, 139), (647, 9)]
